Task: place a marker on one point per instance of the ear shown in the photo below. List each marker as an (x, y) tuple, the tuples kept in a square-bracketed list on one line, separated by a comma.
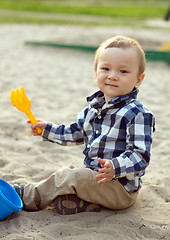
[(139, 80), (95, 72)]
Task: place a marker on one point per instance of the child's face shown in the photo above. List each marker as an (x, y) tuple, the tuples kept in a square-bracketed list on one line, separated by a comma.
[(117, 72)]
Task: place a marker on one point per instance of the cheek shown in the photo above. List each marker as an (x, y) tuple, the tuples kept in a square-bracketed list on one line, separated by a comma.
[(100, 76), (99, 83), (99, 80)]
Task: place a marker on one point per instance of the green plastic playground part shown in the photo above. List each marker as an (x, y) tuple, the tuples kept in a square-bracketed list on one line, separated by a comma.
[(151, 55), (158, 56)]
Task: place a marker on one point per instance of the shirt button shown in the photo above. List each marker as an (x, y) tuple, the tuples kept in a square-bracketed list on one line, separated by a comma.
[(99, 117)]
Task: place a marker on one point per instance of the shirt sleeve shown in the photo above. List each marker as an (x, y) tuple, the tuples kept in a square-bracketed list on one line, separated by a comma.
[(66, 135), (138, 146)]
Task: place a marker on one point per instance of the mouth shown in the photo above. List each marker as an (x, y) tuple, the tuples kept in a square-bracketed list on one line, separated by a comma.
[(111, 85)]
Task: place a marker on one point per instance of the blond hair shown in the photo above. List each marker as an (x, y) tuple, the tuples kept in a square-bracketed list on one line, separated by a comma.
[(122, 42)]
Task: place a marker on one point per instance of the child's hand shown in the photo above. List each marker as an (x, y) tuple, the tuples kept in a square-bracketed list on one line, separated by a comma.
[(39, 124), (107, 171)]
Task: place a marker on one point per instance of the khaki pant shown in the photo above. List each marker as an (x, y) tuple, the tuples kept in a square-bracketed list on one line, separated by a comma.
[(83, 183)]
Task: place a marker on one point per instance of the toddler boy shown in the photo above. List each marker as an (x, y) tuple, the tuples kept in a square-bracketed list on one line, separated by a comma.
[(116, 130)]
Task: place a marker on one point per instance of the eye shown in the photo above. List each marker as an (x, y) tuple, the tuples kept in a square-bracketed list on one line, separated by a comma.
[(105, 69), (123, 71)]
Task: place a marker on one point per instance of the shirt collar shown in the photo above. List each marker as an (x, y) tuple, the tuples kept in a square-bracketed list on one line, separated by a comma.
[(97, 99)]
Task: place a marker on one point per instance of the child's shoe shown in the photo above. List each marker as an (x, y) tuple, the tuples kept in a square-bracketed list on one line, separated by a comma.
[(71, 204)]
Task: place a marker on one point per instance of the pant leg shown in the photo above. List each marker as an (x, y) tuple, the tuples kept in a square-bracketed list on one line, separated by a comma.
[(79, 181)]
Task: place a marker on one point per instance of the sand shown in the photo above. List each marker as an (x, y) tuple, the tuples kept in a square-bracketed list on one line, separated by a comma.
[(57, 81)]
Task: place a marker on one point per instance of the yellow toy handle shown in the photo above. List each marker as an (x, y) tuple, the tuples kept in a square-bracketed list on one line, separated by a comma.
[(33, 120)]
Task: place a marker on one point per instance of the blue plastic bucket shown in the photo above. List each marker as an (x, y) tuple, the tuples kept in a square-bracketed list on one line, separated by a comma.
[(9, 200)]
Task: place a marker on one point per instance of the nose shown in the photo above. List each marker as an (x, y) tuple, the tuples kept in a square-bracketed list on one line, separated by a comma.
[(112, 76)]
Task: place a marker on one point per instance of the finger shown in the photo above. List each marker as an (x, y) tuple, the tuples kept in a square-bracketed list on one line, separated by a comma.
[(102, 175), (39, 120), (38, 124), (28, 121), (104, 180), (104, 170), (106, 165), (101, 170), (101, 161), (33, 128), (35, 132)]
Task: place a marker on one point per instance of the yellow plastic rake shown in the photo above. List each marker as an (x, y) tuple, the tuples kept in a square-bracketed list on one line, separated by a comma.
[(20, 100)]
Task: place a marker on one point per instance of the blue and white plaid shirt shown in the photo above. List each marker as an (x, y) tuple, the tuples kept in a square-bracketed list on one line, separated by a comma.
[(120, 132)]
